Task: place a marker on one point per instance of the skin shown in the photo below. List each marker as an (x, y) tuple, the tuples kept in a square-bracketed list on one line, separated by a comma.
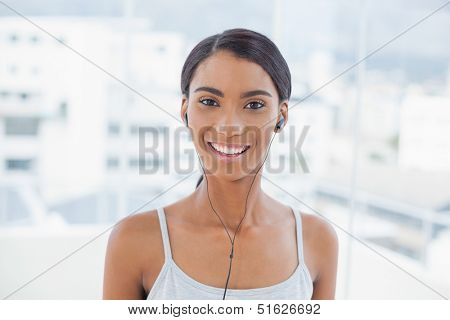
[(265, 250)]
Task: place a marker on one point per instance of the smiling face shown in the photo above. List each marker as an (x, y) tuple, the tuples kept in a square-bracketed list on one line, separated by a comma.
[(232, 109)]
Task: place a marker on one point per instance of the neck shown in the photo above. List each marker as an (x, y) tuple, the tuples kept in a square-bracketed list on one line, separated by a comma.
[(229, 198)]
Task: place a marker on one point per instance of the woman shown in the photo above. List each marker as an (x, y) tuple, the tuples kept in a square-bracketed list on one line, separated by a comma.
[(236, 87)]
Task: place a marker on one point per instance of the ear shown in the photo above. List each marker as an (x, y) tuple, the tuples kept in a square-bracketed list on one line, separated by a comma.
[(283, 112), (184, 107)]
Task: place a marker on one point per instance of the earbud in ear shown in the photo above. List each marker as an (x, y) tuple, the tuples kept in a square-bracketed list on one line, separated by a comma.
[(186, 119), (279, 124)]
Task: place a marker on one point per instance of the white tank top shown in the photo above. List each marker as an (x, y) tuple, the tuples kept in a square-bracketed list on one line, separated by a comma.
[(173, 283)]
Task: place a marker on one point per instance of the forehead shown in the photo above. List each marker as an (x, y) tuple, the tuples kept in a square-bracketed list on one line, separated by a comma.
[(231, 75)]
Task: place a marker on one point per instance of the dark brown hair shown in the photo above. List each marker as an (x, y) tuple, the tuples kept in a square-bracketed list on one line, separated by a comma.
[(245, 44)]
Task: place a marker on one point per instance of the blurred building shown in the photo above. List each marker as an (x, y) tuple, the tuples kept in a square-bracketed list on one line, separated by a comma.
[(68, 130), (424, 132)]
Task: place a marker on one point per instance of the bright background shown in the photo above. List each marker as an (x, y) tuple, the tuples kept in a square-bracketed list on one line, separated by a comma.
[(377, 148)]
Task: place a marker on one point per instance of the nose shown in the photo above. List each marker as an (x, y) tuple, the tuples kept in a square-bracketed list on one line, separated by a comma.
[(230, 123)]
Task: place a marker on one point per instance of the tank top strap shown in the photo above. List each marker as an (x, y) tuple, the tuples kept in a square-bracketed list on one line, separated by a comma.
[(164, 233), (299, 231)]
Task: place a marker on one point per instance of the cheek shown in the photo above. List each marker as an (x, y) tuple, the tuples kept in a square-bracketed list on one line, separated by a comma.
[(263, 142), (198, 132), (260, 142), (199, 141)]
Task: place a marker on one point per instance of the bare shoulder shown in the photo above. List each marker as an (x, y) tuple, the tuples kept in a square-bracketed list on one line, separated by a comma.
[(321, 230), (134, 229), (321, 244), (130, 244)]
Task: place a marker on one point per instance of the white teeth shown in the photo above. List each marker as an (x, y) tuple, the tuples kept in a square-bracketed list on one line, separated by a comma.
[(227, 150)]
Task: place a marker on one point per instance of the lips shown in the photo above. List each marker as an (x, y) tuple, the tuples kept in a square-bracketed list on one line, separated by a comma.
[(228, 150)]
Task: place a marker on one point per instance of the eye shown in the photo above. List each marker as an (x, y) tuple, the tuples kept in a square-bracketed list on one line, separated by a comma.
[(208, 101), (257, 102)]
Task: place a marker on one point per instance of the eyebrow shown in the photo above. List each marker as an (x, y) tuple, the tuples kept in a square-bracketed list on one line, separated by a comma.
[(246, 94)]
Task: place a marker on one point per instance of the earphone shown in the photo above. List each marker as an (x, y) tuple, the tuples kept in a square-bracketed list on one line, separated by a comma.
[(279, 124), (277, 128)]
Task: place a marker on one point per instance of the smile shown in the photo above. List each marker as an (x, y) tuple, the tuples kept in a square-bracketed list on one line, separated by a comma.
[(228, 150)]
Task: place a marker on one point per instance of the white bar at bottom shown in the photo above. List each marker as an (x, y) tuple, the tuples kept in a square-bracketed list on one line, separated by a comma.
[(228, 309)]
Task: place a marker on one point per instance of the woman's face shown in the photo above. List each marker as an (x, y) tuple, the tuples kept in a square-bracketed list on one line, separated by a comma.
[(232, 111)]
